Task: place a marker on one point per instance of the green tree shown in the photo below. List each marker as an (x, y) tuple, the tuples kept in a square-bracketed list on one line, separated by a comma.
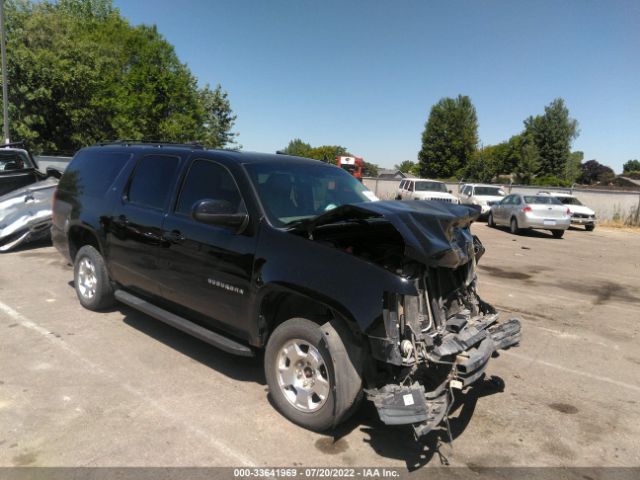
[(406, 166), (449, 139), (553, 133), (325, 153), (528, 162), (572, 170), (631, 166), (594, 172), (370, 169), (215, 130), (297, 148), (328, 153), (488, 162), (80, 73)]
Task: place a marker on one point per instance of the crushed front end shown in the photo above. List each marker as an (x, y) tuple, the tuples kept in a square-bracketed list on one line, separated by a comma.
[(433, 344), (434, 335)]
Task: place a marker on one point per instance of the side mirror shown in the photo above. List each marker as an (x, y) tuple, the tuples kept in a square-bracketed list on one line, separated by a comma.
[(219, 212), (450, 191), (53, 172)]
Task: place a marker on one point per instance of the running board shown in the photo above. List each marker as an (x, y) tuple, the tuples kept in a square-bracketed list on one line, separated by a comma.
[(187, 326)]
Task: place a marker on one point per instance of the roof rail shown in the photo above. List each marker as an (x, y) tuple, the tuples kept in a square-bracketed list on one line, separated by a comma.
[(12, 144), (153, 143)]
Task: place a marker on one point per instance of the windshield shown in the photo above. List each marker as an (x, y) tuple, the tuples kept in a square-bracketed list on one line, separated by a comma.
[(13, 160), (569, 200), (541, 200), (431, 187), (290, 192), (492, 191)]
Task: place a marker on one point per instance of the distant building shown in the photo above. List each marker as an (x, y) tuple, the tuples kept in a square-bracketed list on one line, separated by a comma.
[(393, 174)]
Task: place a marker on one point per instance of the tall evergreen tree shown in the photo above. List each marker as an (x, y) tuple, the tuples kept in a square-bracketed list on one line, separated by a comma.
[(553, 133), (449, 139)]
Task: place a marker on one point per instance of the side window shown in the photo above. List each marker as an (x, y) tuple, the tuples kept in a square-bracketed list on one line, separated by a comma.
[(402, 182), (516, 200), (467, 190), (208, 179), (152, 180), (507, 200), (410, 186)]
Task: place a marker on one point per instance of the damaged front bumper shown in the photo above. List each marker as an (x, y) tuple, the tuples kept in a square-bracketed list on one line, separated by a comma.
[(467, 347)]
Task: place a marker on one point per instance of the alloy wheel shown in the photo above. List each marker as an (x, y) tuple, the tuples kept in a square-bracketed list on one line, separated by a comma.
[(87, 279), (302, 375)]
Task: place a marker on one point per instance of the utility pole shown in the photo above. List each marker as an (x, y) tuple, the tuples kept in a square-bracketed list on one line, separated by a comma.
[(5, 80)]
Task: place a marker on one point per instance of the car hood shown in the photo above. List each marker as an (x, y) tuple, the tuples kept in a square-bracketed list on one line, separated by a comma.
[(435, 234), (581, 209)]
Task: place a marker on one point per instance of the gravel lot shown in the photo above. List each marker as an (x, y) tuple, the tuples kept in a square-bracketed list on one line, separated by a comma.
[(120, 389)]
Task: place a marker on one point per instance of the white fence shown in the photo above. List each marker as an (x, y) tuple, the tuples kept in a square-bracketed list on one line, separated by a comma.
[(608, 205)]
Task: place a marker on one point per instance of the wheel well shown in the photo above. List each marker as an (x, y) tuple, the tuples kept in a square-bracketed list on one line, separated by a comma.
[(78, 238), (279, 307)]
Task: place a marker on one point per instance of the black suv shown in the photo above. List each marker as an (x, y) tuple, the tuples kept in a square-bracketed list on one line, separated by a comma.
[(349, 297)]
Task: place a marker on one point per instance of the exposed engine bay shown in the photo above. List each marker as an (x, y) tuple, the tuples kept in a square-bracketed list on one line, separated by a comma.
[(429, 344)]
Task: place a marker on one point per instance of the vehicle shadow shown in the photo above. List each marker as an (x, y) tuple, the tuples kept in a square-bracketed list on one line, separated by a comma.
[(399, 442), (529, 233), (238, 368)]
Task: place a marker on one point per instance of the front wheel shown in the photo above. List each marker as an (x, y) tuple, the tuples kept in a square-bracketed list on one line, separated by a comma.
[(557, 233), (589, 228), (91, 280), (304, 375), (513, 226), (490, 221)]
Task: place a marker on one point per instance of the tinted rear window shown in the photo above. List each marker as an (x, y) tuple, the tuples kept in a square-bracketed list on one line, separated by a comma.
[(542, 200), (91, 173)]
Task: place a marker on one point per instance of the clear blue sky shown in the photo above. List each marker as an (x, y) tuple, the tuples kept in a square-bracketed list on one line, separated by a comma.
[(364, 74)]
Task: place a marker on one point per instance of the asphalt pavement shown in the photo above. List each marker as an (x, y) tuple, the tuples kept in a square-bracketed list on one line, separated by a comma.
[(79, 388)]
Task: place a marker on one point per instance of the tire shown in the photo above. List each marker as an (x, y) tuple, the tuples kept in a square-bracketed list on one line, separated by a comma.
[(557, 233), (91, 280), (490, 221), (513, 226), (589, 228), (335, 390)]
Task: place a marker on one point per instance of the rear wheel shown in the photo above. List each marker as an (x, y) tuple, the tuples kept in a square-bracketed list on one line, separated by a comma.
[(490, 221), (589, 228), (91, 280), (303, 374), (513, 226), (557, 233)]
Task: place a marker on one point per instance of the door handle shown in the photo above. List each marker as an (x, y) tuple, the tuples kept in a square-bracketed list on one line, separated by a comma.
[(174, 236)]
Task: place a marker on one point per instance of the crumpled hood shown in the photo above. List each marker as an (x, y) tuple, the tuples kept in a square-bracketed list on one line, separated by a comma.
[(434, 233)]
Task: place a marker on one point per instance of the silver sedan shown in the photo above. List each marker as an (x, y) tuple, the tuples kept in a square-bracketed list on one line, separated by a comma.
[(519, 211)]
